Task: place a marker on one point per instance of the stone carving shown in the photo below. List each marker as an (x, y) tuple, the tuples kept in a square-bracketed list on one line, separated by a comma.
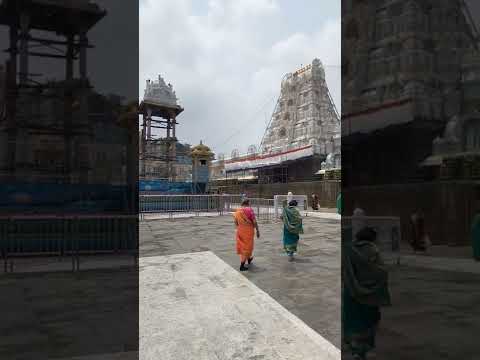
[(391, 69), (451, 142), (235, 154), (159, 92), (329, 162), (305, 113), (252, 150)]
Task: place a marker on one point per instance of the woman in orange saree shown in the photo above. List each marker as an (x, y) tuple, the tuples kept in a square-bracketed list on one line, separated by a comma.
[(246, 224)]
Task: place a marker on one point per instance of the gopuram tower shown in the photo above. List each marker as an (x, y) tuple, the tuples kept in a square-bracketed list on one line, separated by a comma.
[(159, 110), (304, 114)]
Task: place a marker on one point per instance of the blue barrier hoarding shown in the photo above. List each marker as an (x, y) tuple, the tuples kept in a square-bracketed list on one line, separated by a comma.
[(165, 187), (70, 198)]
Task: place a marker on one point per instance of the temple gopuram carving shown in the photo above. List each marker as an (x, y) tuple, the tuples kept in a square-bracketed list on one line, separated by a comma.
[(305, 113), (408, 68), (303, 132)]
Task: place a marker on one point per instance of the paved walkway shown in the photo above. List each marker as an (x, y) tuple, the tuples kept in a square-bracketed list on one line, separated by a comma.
[(50, 316), (324, 215), (442, 263), (434, 312), (309, 287), (196, 304), (132, 355)]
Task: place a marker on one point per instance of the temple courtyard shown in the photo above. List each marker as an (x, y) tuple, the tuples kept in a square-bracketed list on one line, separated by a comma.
[(193, 299)]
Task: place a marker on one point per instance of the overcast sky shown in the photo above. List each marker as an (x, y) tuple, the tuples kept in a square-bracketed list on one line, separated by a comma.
[(226, 58)]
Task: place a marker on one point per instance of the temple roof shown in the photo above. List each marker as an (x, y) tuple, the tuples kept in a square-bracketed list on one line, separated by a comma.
[(201, 150), (62, 17), (160, 110), (160, 99)]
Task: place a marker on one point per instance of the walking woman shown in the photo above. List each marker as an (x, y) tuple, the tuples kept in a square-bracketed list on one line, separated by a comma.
[(475, 234), (246, 224), (292, 228), (365, 290)]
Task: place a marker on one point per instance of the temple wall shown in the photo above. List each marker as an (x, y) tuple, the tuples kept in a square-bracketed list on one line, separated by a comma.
[(327, 191), (448, 207)]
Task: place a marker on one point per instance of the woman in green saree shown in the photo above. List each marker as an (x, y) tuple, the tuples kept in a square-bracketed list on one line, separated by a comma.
[(365, 290), (475, 234), (339, 204), (292, 228)]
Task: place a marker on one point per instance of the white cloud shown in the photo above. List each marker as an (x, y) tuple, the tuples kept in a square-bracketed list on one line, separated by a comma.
[(226, 63)]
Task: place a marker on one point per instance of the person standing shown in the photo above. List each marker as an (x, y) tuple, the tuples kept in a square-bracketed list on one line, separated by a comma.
[(314, 202), (475, 235), (365, 291), (339, 204), (420, 240), (289, 197), (358, 220), (292, 228), (246, 225)]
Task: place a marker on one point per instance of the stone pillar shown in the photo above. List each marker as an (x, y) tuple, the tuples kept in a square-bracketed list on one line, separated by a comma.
[(173, 145), (83, 56), (11, 98), (174, 127), (69, 59), (24, 35), (143, 144), (149, 128), (82, 67), (67, 122)]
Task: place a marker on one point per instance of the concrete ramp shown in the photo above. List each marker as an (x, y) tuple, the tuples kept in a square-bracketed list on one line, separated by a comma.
[(195, 306)]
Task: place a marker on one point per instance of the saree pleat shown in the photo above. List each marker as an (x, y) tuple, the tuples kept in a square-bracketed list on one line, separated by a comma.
[(245, 233), (292, 228)]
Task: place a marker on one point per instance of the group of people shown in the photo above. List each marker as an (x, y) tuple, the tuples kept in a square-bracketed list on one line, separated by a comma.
[(246, 226), (364, 275)]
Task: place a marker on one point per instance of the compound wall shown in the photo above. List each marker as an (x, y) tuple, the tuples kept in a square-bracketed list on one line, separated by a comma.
[(327, 191), (448, 206)]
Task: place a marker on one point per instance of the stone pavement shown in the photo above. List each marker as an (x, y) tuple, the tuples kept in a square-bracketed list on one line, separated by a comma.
[(131, 355), (195, 306), (49, 315), (324, 215), (462, 265), (309, 288), (435, 312)]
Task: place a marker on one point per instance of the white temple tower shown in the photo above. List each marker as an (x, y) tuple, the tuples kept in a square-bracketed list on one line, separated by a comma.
[(305, 113)]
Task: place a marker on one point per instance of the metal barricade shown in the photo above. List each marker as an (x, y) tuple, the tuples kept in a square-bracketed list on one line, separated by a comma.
[(263, 208), (171, 206), (281, 200), (389, 233), (67, 236)]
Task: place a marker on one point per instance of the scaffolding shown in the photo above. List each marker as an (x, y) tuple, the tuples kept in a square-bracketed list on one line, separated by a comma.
[(63, 27)]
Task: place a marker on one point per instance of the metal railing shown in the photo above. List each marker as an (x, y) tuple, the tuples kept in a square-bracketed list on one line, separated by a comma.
[(66, 236), (388, 228), (281, 200), (172, 206), (264, 209)]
